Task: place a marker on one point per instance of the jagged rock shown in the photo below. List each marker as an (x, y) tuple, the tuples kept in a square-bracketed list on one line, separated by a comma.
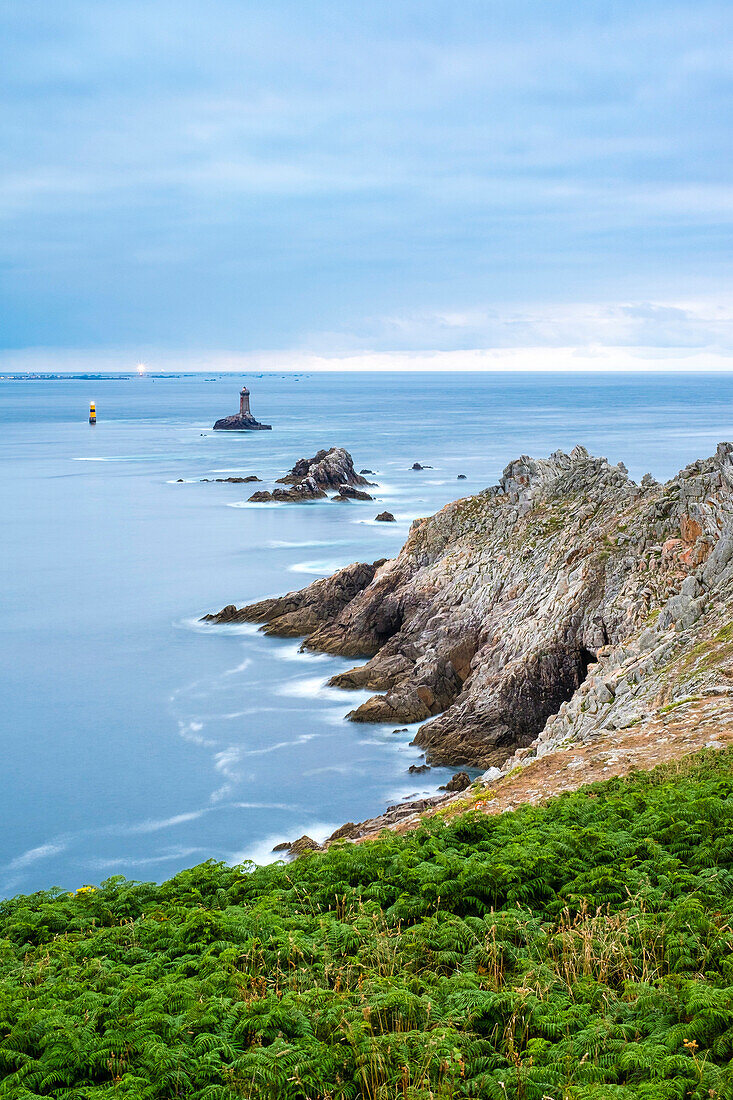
[(417, 466), (385, 517), (345, 832), (418, 769), (304, 844), (461, 477), (458, 782), (301, 612), (393, 816), (349, 492), (329, 469), (561, 604), (311, 477), (367, 472)]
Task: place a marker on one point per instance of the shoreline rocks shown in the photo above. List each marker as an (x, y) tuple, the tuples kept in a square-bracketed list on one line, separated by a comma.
[(559, 605), (385, 517)]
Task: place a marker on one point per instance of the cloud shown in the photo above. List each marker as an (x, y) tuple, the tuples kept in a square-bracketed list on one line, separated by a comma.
[(247, 176)]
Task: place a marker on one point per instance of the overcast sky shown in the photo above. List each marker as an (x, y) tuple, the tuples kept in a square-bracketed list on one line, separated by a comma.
[(374, 182)]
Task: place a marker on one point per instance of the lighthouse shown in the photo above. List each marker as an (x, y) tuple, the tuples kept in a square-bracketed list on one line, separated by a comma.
[(243, 421)]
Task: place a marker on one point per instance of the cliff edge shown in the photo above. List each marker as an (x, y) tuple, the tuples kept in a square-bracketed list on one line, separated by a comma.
[(559, 606)]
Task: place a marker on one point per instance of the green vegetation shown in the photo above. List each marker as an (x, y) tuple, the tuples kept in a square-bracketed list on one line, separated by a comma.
[(577, 950)]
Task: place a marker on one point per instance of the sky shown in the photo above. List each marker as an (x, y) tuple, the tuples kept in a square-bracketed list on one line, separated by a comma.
[(280, 184)]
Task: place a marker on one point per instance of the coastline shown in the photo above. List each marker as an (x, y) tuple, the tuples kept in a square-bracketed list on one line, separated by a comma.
[(567, 609)]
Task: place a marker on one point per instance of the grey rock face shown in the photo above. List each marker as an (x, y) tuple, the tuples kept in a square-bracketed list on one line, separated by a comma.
[(562, 602)]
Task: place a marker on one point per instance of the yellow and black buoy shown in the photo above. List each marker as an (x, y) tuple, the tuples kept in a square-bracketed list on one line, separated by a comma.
[(92, 413)]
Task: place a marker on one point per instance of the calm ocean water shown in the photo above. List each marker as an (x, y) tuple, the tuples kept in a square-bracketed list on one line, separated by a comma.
[(137, 742)]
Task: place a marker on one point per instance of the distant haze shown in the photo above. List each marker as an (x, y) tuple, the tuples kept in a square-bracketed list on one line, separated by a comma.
[(428, 184)]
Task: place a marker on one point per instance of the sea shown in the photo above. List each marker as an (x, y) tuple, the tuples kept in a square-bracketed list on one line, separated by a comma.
[(137, 740)]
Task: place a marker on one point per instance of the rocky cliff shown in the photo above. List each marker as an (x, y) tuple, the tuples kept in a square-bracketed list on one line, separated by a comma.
[(561, 606)]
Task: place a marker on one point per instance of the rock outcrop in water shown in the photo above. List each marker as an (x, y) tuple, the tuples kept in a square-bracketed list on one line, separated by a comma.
[(311, 478), (564, 605), (243, 421)]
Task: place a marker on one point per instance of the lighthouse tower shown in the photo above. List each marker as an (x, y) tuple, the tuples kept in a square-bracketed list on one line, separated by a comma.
[(243, 421)]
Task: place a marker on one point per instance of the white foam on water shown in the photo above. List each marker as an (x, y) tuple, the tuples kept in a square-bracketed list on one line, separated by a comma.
[(320, 568), (294, 653), (261, 853), (336, 769), (301, 740), (220, 628), (256, 504), (283, 544), (189, 731), (387, 490), (238, 668), (153, 826), (316, 687), (246, 713), (131, 861)]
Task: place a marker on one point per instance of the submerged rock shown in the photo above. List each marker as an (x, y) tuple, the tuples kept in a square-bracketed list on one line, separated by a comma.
[(232, 480)]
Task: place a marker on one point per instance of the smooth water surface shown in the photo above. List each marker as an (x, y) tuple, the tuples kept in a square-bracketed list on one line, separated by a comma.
[(138, 741)]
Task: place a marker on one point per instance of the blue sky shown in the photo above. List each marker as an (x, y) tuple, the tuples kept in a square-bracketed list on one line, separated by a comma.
[(516, 182)]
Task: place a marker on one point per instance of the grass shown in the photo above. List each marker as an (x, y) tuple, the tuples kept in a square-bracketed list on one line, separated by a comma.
[(580, 949)]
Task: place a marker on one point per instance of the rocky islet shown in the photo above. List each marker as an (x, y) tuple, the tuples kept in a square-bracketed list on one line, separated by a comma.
[(313, 478)]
